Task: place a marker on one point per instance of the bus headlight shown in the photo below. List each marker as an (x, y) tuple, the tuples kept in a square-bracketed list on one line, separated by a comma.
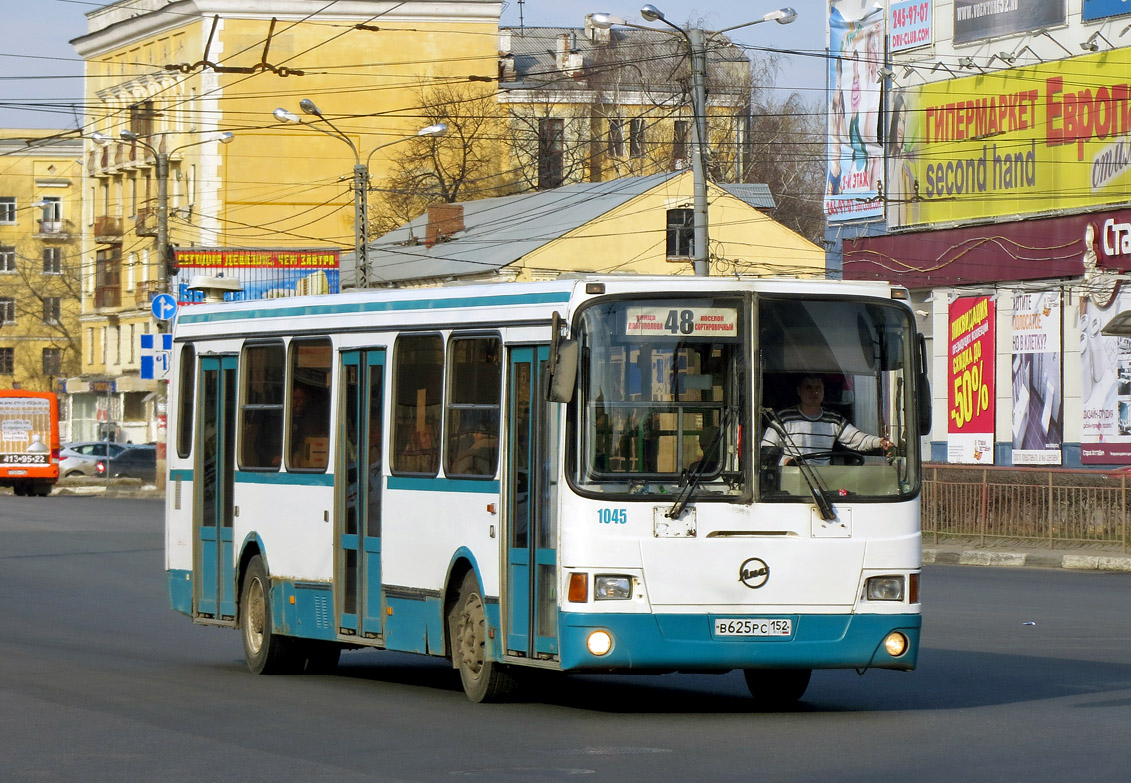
[(612, 588), (599, 642), (884, 588), (895, 644)]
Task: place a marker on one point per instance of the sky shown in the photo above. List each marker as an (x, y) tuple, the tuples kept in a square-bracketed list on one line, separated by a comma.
[(39, 66)]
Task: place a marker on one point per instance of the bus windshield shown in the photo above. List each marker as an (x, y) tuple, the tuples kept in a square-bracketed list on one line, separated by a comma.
[(662, 397), (836, 379)]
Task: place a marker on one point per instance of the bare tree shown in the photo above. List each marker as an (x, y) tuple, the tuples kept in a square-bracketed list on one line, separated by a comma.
[(45, 293)]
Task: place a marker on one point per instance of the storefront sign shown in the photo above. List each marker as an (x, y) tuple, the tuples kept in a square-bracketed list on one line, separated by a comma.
[(856, 158), (970, 381), (977, 19), (1038, 404), (909, 24), (1012, 143), (1105, 364)]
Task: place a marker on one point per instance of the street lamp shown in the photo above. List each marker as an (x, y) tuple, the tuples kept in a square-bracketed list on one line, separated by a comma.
[(360, 176), (697, 46)]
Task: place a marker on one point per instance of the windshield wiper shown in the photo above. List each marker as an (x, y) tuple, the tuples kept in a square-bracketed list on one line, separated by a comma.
[(806, 470), (696, 475)]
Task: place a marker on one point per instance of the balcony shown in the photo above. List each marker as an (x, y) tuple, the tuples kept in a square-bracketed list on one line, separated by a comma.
[(54, 231), (107, 296), (107, 229), (145, 224), (144, 293)]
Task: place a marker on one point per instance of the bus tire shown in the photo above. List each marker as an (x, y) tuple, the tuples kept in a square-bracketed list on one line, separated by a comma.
[(266, 652), (777, 688), (483, 680)]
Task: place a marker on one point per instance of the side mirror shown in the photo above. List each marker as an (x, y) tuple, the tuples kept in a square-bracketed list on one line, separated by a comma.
[(923, 388), (563, 364)]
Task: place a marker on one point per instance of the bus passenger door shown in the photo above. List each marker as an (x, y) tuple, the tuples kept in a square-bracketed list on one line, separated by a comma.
[(215, 593), (358, 569), (532, 620)]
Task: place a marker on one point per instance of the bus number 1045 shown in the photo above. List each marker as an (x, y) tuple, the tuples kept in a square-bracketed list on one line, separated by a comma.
[(612, 516)]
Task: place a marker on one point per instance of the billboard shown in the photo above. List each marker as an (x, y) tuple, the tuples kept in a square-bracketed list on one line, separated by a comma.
[(909, 24), (978, 19), (1038, 402), (856, 160), (970, 380), (1105, 366), (1015, 142), (1101, 9), (263, 273)]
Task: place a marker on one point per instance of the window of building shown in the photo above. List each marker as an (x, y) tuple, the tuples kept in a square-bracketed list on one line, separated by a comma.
[(418, 384), (308, 432), (108, 277), (185, 397), (7, 209), (261, 409), (7, 310), (681, 233), (616, 138), (474, 389), (52, 361), (133, 406), (141, 118), (681, 135), (52, 309), (7, 361), (550, 152), (636, 138), (52, 210), (7, 259), (52, 260)]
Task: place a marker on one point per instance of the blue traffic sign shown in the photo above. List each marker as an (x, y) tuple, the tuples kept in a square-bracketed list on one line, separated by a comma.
[(164, 307)]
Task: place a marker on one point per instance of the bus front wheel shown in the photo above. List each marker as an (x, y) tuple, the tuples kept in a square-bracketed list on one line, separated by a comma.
[(777, 688), (265, 651), (483, 679)]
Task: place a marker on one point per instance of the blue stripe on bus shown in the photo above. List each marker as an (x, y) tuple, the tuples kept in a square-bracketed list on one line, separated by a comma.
[(674, 641), (291, 479), (443, 485), (353, 308), (180, 474)]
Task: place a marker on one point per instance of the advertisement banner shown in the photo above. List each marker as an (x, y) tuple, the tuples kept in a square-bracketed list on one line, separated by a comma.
[(263, 273), (25, 431), (978, 19), (970, 381), (1038, 403), (909, 24), (856, 160), (1014, 142), (1101, 9), (1105, 364)]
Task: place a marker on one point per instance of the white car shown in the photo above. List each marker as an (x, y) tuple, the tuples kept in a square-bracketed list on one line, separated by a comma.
[(81, 459)]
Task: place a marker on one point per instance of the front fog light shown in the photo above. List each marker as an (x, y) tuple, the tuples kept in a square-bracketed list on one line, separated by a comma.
[(895, 643), (884, 588), (599, 642), (612, 588)]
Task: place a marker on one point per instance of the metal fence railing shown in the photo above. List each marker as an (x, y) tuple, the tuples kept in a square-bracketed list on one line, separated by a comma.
[(1045, 507)]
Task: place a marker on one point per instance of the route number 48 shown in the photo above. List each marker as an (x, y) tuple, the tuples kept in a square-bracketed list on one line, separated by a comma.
[(612, 516)]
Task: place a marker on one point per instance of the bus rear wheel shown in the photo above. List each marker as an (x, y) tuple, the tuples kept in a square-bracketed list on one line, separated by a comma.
[(266, 652), (483, 680), (777, 688)]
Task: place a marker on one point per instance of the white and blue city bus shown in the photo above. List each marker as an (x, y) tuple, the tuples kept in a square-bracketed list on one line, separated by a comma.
[(565, 475)]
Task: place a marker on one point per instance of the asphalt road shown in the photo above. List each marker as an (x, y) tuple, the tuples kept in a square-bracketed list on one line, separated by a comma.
[(1025, 675)]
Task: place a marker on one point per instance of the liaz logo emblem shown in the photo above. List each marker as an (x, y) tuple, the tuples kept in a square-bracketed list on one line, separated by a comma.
[(754, 573)]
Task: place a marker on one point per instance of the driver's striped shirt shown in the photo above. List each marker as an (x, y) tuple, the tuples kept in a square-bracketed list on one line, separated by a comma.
[(820, 433)]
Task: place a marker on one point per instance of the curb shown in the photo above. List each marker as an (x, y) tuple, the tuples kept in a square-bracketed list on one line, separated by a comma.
[(978, 557)]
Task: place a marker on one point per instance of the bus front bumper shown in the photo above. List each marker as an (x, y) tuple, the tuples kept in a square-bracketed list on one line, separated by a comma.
[(666, 642)]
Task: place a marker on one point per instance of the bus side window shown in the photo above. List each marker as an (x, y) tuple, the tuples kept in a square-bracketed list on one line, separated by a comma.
[(185, 409), (417, 385), (308, 434), (261, 410), (474, 390)]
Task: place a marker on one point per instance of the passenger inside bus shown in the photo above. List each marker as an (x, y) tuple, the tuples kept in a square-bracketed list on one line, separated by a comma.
[(310, 447), (814, 431)]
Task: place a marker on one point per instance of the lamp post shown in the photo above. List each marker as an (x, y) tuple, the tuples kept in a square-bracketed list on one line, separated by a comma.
[(697, 49), (162, 246), (360, 177)]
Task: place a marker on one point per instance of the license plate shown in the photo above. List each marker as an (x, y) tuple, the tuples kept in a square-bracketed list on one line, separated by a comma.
[(753, 626), (17, 472)]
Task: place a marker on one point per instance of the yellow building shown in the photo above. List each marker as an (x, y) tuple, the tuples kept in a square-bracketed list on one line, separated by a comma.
[(177, 79), (640, 225), (40, 208)]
